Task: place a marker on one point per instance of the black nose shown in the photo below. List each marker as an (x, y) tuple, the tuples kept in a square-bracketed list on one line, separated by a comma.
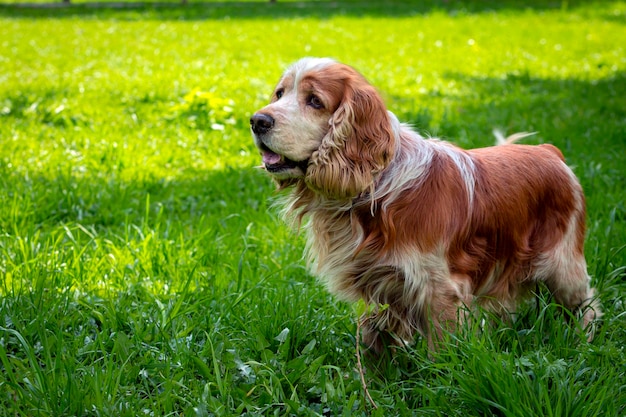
[(261, 123)]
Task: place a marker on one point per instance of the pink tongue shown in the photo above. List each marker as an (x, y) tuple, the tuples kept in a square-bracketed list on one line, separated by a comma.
[(271, 158)]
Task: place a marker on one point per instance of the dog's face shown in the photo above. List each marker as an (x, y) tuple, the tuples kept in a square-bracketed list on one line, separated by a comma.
[(289, 129), (325, 125)]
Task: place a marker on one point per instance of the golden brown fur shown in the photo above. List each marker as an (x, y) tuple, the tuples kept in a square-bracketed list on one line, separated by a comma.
[(418, 225)]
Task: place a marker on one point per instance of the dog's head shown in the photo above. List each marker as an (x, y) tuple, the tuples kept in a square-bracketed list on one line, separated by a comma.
[(327, 126)]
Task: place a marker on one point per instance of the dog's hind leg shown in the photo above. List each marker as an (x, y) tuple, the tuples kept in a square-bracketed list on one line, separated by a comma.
[(570, 288), (564, 271)]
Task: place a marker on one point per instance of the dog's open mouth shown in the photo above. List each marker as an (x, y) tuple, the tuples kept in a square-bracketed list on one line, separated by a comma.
[(276, 163)]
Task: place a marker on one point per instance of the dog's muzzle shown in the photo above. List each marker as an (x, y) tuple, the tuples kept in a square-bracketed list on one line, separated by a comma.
[(261, 124)]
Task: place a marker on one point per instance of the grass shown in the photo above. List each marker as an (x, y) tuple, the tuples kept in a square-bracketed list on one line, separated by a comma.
[(144, 271)]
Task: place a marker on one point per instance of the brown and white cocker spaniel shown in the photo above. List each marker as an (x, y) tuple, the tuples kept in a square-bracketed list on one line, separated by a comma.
[(416, 225)]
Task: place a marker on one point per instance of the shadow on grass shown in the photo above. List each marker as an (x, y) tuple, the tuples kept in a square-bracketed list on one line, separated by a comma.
[(585, 119), (281, 10), (573, 114), (110, 204)]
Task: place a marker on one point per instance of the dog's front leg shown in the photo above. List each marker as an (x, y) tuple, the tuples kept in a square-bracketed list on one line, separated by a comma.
[(391, 319), (387, 326)]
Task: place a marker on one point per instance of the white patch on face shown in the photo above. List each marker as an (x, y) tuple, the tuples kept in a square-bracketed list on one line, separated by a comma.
[(298, 131)]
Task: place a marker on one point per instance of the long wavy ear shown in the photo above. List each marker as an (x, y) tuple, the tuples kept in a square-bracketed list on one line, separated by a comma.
[(359, 144)]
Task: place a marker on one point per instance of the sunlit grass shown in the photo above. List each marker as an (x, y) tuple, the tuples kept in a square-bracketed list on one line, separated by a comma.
[(144, 271)]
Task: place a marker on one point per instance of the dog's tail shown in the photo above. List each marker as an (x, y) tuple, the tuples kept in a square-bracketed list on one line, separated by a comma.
[(502, 140)]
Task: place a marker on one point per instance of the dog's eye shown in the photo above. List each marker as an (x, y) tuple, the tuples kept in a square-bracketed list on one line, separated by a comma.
[(314, 101), (279, 93)]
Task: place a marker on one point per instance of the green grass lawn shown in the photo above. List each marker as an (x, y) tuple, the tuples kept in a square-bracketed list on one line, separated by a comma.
[(144, 270)]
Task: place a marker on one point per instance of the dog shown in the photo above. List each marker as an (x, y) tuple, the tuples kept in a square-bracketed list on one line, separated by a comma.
[(420, 229)]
